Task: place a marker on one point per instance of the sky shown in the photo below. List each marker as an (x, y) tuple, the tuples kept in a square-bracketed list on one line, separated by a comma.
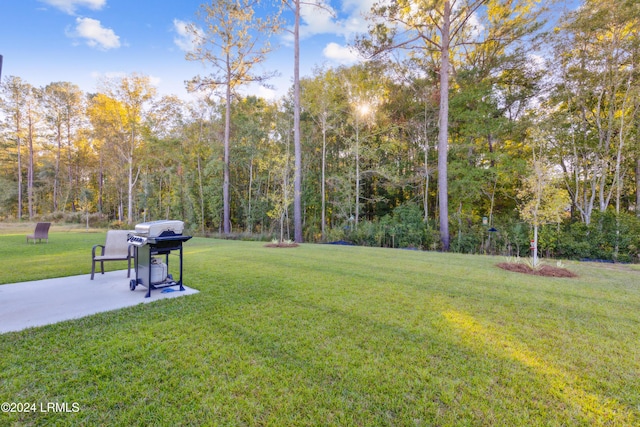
[(85, 41)]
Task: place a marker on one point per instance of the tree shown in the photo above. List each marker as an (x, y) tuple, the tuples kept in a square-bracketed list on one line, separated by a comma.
[(416, 106), (404, 24), (294, 6), (164, 181), (253, 123), (120, 120), (280, 195), (63, 111), (542, 199), (107, 117), (16, 94), (133, 93), (444, 27), (487, 109), (197, 132), (22, 109), (595, 101), (320, 97), (365, 91), (297, 168), (233, 42), (84, 201), (33, 117)]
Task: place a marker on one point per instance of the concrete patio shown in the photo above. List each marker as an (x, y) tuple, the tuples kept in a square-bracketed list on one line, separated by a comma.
[(42, 302)]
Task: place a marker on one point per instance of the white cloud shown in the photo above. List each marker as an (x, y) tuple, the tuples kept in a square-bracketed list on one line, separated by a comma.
[(95, 34), (346, 22), (317, 20), (185, 40), (70, 6), (356, 10), (266, 93), (344, 55), (155, 81), (102, 77), (109, 75)]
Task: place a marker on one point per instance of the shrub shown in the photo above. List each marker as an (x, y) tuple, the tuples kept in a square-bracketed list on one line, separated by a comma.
[(365, 234), (468, 242), (402, 228), (408, 224), (334, 234), (605, 238)]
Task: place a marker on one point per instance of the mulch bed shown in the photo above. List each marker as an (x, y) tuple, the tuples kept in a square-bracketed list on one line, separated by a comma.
[(281, 245), (545, 270)]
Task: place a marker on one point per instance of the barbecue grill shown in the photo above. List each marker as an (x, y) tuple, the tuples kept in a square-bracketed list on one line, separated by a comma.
[(151, 240)]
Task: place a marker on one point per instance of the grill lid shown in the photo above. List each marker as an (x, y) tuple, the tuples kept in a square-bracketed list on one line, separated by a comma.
[(157, 228)]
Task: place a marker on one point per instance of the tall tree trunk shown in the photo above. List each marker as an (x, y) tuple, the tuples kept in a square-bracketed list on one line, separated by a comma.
[(200, 184), (70, 170), (120, 206), (324, 159), (443, 134), (535, 245), (297, 173), (357, 213), (249, 225), (638, 186), (426, 167), (31, 166), (201, 190), (100, 185), (19, 171), (56, 178), (130, 191), (226, 217)]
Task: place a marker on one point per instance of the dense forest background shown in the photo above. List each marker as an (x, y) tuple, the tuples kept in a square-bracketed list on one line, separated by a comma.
[(543, 133)]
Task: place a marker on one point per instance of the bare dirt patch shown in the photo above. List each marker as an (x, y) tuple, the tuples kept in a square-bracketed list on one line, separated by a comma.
[(545, 270)]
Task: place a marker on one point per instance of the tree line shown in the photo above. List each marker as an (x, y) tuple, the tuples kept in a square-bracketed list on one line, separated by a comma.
[(525, 127)]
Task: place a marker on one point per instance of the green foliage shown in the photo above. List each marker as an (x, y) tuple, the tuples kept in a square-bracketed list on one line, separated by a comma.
[(607, 238), (406, 225), (515, 237), (335, 234), (8, 197), (78, 217), (542, 200), (468, 242), (403, 228), (366, 234)]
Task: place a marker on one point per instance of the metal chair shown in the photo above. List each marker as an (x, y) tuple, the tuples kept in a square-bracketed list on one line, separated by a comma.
[(116, 248)]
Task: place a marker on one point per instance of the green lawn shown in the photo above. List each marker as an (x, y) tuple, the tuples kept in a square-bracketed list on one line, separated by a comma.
[(331, 335)]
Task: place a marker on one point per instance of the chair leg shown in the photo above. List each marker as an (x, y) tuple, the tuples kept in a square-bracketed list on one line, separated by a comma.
[(93, 268)]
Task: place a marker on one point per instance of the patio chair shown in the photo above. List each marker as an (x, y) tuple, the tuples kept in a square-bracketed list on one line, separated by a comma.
[(115, 248), (41, 232)]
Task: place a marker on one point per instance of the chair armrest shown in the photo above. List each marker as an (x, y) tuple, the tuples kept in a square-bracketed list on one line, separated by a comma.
[(93, 251)]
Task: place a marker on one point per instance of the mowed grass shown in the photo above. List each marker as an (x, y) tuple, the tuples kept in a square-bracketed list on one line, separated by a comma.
[(329, 335)]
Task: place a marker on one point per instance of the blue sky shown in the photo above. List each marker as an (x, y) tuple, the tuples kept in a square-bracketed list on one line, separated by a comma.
[(82, 41)]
